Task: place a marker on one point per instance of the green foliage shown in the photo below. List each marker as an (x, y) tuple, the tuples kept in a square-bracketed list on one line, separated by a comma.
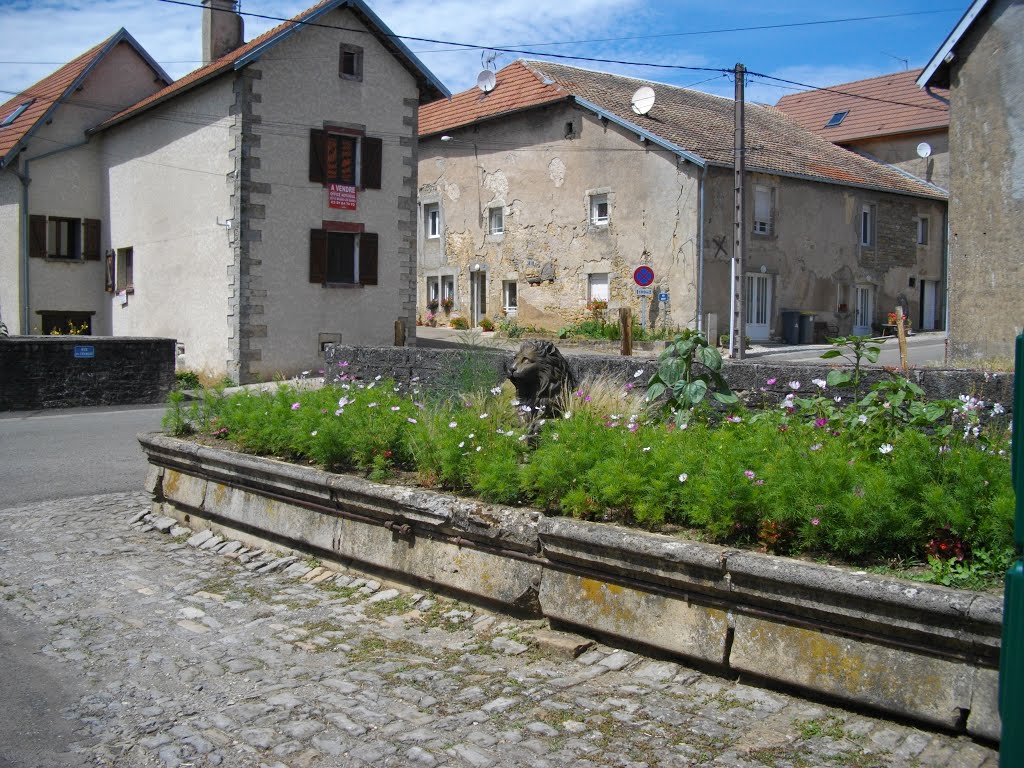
[(985, 570), (511, 328), (187, 380), (855, 350), (460, 324), (687, 370), (486, 324), (811, 477)]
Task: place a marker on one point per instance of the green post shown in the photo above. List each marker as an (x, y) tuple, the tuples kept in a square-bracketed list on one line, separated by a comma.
[(1011, 660)]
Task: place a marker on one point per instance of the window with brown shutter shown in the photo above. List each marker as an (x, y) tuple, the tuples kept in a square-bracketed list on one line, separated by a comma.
[(37, 236), (317, 256), (373, 155), (91, 239), (317, 140), (368, 245)]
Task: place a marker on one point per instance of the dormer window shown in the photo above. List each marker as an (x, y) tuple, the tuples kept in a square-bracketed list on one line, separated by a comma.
[(10, 118), (836, 119)]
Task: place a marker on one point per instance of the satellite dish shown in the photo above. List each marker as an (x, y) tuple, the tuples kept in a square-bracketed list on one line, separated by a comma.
[(486, 81), (642, 100), (924, 149)]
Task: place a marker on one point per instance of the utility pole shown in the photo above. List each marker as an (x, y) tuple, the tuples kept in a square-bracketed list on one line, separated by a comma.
[(737, 319)]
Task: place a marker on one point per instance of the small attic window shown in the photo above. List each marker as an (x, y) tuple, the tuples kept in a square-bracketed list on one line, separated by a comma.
[(15, 114), (836, 119)]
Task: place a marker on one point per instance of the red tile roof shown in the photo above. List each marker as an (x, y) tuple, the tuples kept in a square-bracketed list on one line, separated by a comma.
[(43, 96), (894, 105), (518, 88), (229, 61), (695, 122)]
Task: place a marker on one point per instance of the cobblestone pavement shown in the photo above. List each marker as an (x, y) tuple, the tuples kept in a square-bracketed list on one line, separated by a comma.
[(190, 656)]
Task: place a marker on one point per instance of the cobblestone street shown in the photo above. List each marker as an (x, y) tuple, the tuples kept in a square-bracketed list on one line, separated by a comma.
[(193, 651)]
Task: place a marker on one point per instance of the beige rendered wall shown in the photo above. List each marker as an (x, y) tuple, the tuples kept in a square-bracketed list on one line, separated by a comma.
[(68, 183), (167, 182), (815, 248), (299, 88), (542, 180), (986, 210), (901, 151)]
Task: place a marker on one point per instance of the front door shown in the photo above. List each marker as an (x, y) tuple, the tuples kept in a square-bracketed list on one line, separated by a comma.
[(865, 310), (759, 306), (929, 303), (478, 296)]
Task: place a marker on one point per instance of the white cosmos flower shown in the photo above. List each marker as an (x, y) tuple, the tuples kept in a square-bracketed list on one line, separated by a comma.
[(885, 448)]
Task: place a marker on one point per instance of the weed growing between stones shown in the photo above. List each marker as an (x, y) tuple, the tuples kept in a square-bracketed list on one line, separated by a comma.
[(866, 480)]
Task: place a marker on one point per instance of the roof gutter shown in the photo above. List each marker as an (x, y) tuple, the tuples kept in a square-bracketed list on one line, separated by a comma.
[(945, 54), (641, 133), (25, 180)]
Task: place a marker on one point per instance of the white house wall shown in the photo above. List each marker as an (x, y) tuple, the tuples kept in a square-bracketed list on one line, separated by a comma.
[(66, 182), (167, 180), (543, 181), (299, 89)]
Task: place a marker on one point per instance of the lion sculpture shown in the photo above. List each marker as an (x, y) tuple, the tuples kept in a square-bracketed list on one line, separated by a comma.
[(541, 375)]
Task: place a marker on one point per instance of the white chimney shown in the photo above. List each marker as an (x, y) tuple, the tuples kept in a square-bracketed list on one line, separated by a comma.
[(222, 29)]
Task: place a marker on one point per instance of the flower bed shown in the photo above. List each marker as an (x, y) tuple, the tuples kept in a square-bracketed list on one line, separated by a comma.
[(886, 479)]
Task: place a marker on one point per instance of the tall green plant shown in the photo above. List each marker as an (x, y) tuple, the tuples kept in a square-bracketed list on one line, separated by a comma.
[(688, 369), (855, 350)]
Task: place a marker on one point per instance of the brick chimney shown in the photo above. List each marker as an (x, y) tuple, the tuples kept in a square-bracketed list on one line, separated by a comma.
[(222, 29)]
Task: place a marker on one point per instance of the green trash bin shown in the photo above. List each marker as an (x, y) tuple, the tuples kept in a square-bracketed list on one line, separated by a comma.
[(791, 326), (806, 334)]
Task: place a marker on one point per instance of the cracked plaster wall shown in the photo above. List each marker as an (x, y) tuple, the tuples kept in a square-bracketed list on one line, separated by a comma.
[(814, 247), (541, 180)]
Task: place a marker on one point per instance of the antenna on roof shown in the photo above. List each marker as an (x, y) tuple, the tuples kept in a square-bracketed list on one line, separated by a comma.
[(906, 62), (642, 100)]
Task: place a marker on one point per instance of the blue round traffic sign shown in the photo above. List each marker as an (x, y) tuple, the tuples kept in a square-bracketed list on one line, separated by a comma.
[(643, 276)]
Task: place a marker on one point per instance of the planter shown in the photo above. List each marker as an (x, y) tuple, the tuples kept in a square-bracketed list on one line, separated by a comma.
[(902, 648)]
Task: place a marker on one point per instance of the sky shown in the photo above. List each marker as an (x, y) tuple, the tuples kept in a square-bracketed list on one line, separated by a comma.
[(669, 41)]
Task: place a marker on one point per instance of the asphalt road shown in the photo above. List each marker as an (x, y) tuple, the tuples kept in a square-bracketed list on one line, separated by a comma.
[(59, 454)]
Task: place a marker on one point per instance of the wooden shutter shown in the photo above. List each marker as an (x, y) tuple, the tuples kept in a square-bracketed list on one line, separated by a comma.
[(37, 236), (317, 256), (91, 239), (109, 271), (373, 155), (368, 245), (317, 140)]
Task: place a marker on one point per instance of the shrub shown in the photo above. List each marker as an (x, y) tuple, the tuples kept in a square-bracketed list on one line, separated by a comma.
[(486, 324), (186, 380), (460, 324)]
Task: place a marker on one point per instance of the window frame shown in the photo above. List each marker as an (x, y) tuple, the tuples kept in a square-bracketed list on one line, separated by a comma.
[(591, 284), (448, 288), (433, 289), (598, 199), (356, 54), (764, 224), (510, 290), (368, 157), (124, 270), (923, 224), (365, 255), (868, 224), (432, 221), (496, 212), (47, 320)]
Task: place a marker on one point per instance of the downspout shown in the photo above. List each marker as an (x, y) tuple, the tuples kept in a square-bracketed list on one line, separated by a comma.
[(700, 252), (25, 180)]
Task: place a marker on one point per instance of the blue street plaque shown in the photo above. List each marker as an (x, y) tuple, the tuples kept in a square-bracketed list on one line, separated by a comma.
[(85, 351), (663, 297)]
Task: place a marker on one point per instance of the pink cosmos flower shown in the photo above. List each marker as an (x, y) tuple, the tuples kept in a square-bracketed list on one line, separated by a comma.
[(815, 521), (296, 406), (749, 474)]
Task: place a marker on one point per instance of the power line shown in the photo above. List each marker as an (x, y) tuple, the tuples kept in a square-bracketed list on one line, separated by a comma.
[(807, 86)]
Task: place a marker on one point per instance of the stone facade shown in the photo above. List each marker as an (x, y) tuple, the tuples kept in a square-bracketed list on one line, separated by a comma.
[(70, 371)]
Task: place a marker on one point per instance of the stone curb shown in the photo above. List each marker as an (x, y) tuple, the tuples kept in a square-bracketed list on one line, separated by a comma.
[(917, 651)]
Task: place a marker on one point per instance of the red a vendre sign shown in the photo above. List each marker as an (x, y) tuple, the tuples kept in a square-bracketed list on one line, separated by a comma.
[(341, 196)]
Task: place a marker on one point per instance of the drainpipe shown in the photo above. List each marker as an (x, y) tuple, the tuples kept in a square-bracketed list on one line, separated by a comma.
[(700, 252), (25, 180)]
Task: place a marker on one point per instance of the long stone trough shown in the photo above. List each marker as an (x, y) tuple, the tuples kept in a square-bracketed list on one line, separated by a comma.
[(905, 649)]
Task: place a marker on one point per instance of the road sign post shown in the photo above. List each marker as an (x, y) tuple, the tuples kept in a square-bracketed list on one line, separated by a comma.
[(643, 276)]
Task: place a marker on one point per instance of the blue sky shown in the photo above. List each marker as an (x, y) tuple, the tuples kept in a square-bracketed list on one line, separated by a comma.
[(39, 35)]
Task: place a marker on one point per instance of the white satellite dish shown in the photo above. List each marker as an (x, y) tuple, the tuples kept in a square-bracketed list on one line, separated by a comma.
[(924, 149), (642, 100), (486, 81)]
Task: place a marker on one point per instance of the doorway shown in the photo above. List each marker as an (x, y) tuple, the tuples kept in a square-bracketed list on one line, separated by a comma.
[(759, 306), (477, 296), (929, 305), (865, 310)]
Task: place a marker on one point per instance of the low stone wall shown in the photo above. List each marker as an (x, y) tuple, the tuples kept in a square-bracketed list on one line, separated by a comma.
[(907, 649), (748, 378), (67, 371)]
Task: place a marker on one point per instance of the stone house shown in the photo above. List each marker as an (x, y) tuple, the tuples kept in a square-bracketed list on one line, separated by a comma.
[(982, 63), (254, 210), (548, 191), (887, 118)]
